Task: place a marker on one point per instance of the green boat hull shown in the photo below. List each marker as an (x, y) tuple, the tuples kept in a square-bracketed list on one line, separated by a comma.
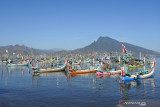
[(13, 65)]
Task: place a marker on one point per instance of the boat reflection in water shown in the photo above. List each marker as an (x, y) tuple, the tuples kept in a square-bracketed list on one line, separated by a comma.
[(13, 76), (82, 80), (15, 70), (72, 80), (56, 76), (134, 90), (94, 81)]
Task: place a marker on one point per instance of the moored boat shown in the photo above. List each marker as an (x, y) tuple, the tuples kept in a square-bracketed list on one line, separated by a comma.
[(82, 71), (140, 75), (109, 72), (110, 69), (60, 68), (19, 64)]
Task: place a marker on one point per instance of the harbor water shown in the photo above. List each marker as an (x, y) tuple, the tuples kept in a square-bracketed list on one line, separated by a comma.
[(19, 87)]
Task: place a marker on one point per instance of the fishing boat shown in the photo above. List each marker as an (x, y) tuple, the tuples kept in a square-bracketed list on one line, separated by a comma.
[(19, 64), (109, 72), (112, 71), (82, 68), (59, 68), (82, 71), (139, 75)]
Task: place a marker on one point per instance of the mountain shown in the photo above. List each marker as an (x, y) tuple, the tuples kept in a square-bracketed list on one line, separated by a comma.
[(103, 44), (107, 44), (18, 49), (24, 50)]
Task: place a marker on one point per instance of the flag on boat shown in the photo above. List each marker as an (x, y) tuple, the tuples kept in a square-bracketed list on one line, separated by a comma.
[(154, 62), (124, 49)]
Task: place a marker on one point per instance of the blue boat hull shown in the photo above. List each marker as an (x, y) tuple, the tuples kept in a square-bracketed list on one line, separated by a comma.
[(126, 78)]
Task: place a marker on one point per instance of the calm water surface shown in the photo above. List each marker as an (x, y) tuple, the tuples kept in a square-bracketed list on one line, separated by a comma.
[(19, 87)]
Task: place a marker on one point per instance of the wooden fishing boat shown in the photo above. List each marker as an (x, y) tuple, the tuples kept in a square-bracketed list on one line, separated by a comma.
[(82, 71), (109, 72), (73, 71), (141, 75), (19, 64), (61, 68)]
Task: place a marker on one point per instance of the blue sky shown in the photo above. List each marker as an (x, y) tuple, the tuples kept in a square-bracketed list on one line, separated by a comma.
[(71, 24)]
